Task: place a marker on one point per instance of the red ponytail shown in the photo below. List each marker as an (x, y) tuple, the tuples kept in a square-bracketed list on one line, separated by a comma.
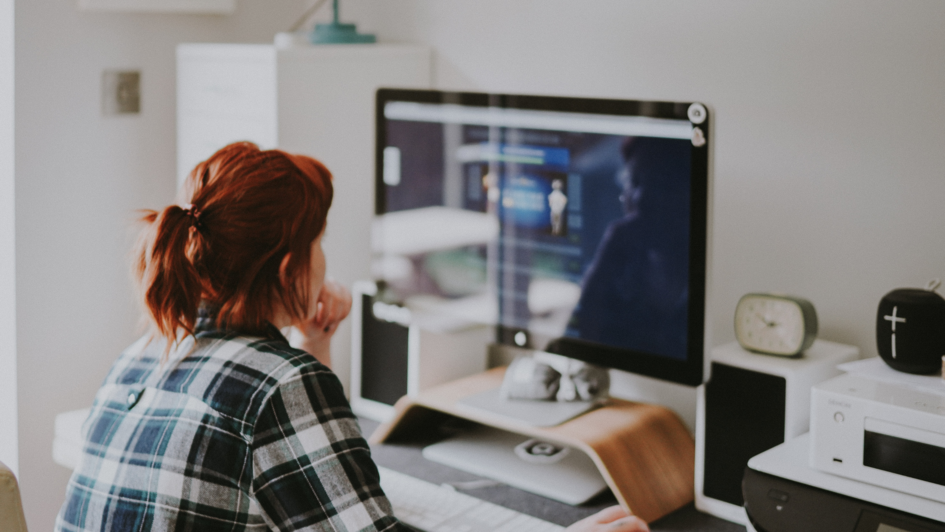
[(248, 211)]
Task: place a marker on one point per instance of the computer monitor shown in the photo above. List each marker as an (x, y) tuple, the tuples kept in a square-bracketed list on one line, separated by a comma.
[(577, 226)]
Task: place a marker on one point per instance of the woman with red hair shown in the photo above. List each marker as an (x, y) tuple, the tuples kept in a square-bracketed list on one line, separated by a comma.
[(212, 421)]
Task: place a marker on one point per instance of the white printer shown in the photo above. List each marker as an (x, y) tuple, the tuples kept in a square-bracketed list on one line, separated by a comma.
[(882, 427)]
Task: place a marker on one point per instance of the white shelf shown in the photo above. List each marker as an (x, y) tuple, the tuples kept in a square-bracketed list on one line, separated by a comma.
[(67, 443), (161, 6), (419, 231)]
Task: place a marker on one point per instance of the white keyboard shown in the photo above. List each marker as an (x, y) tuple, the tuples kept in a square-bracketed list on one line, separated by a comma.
[(433, 508)]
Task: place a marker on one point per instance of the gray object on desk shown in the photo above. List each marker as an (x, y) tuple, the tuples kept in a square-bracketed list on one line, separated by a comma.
[(533, 413), (407, 458), (572, 478)]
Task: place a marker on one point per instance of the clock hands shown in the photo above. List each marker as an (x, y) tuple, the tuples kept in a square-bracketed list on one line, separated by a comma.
[(766, 321)]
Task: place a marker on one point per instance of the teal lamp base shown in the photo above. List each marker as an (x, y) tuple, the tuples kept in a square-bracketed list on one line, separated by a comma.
[(336, 33)]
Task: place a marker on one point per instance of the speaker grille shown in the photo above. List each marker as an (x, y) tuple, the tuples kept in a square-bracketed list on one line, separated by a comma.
[(744, 416), (383, 357)]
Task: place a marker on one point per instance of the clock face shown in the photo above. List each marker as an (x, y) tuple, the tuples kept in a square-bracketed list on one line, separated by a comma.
[(770, 324)]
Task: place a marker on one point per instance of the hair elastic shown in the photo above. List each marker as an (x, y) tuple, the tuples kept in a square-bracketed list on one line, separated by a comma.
[(194, 215)]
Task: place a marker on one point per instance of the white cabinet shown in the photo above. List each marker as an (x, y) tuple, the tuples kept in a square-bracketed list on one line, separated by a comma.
[(316, 100), (225, 93)]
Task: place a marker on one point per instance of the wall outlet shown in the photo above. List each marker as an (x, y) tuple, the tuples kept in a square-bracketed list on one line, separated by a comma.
[(121, 92)]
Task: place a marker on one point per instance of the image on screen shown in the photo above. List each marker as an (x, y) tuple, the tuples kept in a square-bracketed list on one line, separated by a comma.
[(553, 224)]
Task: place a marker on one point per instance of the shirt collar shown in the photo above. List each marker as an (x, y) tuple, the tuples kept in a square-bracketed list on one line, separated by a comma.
[(207, 322)]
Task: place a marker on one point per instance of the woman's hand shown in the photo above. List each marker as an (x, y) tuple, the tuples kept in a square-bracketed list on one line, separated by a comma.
[(332, 306), (613, 519)]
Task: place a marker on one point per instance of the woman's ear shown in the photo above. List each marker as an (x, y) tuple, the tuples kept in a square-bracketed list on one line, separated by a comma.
[(283, 266), (282, 317)]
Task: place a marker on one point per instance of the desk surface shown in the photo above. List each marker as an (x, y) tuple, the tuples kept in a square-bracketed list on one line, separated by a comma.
[(406, 458)]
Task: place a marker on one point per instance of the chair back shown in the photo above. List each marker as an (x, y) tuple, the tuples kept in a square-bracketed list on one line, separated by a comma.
[(11, 508)]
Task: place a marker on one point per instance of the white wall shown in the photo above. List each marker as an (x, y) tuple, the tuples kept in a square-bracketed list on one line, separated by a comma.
[(829, 123), (8, 432), (828, 151), (79, 178)]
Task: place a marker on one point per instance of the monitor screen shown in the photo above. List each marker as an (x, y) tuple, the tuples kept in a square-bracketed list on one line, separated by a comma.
[(576, 226)]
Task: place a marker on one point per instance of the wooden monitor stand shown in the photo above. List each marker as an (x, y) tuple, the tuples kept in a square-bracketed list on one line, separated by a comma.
[(643, 451)]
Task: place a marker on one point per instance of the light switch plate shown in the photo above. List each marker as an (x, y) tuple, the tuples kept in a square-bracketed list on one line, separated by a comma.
[(121, 92)]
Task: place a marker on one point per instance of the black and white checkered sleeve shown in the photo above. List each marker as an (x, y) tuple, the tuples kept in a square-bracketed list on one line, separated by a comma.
[(312, 469)]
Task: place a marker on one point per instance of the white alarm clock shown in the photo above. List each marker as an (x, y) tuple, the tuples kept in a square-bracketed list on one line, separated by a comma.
[(775, 324)]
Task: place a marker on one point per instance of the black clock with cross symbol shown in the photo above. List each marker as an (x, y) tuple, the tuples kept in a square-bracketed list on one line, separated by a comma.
[(910, 330)]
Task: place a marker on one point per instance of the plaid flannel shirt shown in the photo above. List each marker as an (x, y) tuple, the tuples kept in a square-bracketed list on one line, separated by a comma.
[(231, 433)]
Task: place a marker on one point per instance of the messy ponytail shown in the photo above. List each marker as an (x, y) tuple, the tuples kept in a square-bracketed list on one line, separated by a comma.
[(241, 241)]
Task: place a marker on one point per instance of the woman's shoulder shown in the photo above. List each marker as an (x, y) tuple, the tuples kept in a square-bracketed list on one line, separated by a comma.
[(233, 374), (210, 351), (241, 375), (259, 362), (269, 354), (279, 361)]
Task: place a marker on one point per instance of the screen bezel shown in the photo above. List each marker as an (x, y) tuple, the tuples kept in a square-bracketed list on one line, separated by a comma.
[(688, 372)]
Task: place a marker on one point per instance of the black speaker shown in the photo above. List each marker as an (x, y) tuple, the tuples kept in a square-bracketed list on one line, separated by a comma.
[(384, 355), (910, 330), (751, 403), (744, 416), (393, 353)]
